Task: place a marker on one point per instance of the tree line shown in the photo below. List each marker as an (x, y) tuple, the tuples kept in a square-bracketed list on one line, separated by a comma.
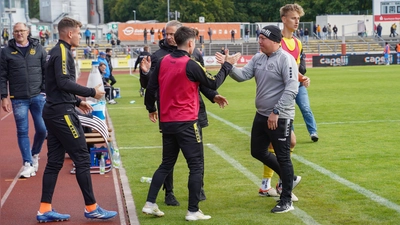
[(218, 10)]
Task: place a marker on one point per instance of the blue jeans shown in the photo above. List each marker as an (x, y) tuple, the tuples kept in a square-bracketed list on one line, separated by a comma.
[(304, 105), (21, 108)]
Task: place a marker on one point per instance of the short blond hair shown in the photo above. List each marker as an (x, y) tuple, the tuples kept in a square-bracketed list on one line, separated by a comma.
[(290, 8)]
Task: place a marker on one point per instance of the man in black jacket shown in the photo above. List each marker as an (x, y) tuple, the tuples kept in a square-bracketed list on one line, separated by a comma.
[(143, 78), (148, 65), (65, 132), (22, 74)]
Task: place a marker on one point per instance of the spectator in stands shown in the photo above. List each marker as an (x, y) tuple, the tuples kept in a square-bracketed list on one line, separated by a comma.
[(113, 43), (329, 31), (257, 33), (159, 35), (324, 32), (108, 36), (5, 35), (306, 35), (233, 36), (145, 35), (107, 87), (393, 29), (209, 32), (87, 52), (163, 33), (87, 36), (334, 31), (152, 35), (379, 30), (93, 39), (246, 35)]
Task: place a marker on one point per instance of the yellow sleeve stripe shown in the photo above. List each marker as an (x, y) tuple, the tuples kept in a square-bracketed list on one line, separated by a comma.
[(209, 75), (73, 129), (64, 59)]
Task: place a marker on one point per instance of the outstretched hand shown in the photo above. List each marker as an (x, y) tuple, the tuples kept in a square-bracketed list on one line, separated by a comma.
[(231, 59), (145, 64), (221, 101)]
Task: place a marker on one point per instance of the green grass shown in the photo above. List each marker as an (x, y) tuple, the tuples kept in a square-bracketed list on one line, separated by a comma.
[(356, 109)]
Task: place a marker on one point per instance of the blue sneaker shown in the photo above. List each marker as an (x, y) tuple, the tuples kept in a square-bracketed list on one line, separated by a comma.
[(51, 216), (100, 213)]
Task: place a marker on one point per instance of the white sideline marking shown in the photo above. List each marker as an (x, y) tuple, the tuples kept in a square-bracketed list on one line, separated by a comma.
[(133, 75), (307, 219), (374, 197), (134, 107), (352, 122), (144, 147), (356, 187)]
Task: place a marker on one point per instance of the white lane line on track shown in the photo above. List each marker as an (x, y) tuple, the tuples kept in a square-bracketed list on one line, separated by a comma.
[(4, 117), (11, 187), (374, 197), (307, 219)]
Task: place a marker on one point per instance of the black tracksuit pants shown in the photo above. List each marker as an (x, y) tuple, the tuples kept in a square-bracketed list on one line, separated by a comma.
[(261, 137), (65, 134), (190, 142)]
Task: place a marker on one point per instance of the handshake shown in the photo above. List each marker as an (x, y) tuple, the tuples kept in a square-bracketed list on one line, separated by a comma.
[(231, 59)]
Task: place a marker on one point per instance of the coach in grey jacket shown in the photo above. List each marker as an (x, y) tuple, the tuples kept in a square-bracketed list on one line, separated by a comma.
[(22, 75), (276, 75)]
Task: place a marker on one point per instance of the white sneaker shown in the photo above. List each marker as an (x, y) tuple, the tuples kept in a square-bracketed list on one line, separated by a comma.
[(199, 215), (112, 102), (152, 209), (268, 193), (28, 171), (35, 162), (295, 183), (294, 198)]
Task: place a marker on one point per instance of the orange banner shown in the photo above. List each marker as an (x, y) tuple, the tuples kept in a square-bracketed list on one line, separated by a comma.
[(134, 31)]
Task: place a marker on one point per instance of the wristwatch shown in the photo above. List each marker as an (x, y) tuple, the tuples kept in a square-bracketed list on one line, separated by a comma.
[(275, 111)]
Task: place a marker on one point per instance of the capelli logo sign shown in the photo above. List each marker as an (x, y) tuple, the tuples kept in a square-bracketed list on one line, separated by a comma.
[(128, 31)]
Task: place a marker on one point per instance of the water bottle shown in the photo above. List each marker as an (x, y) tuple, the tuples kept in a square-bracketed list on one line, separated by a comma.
[(145, 180), (94, 79), (102, 165), (116, 159)]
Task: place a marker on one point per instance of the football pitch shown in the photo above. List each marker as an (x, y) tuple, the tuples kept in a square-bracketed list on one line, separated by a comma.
[(350, 176)]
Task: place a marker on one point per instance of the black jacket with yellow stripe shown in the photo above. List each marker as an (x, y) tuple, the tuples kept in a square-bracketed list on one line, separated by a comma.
[(61, 86), (22, 75)]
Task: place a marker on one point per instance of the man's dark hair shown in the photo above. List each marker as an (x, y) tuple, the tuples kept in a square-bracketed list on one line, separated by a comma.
[(108, 50), (67, 23), (146, 48), (102, 64), (183, 34)]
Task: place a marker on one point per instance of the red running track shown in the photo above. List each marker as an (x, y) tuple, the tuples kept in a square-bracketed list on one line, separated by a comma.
[(20, 198)]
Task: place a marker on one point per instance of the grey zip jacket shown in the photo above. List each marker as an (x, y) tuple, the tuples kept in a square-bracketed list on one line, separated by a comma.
[(277, 82)]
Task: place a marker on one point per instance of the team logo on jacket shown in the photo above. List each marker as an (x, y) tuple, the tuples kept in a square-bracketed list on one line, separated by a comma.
[(14, 53), (32, 52), (270, 66)]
